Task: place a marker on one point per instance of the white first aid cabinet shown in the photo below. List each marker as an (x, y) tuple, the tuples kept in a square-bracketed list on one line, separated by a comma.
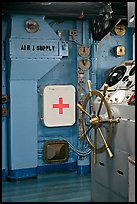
[(58, 105)]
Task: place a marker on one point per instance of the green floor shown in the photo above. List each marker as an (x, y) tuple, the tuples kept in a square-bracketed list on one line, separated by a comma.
[(52, 187)]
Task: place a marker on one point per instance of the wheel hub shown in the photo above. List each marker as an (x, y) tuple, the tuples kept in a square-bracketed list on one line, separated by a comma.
[(95, 121)]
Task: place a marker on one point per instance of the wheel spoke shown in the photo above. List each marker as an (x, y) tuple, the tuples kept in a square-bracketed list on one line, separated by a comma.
[(100, 106), (93, 105), (117, 120), (105, 142), (87, 144), (91, 116), (90, 93), (83, 135), (83, 110), (104, 94), (95, 146)]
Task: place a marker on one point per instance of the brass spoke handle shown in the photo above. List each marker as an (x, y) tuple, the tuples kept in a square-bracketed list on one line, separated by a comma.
[(82, 109), (90, 93), (89, 87), (104, 94), (117, 120), (105, 143), (95, 146), (105, 89)]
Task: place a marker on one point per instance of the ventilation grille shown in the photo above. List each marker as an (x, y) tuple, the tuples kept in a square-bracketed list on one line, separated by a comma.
[(56, 151)]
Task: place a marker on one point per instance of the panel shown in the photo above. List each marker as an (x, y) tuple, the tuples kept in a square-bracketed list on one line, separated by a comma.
[(59, 105)]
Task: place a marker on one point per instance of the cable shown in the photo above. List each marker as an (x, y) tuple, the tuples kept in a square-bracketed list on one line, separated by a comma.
[(75, 42), (79, 152)]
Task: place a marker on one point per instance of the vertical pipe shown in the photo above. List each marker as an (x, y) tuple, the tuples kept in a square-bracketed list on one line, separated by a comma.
[(94, 51), (83, 32), (83, 162)]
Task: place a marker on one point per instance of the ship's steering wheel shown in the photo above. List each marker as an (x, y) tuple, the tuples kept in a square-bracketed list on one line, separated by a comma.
[(93, 121)]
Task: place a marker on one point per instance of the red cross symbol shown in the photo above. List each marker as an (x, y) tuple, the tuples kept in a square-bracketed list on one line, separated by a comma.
[(60, 106)]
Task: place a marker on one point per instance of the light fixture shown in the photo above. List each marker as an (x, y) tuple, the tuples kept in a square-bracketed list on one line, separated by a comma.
[(46, 3)]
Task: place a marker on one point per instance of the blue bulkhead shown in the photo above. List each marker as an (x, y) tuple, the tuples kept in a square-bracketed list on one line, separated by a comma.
[(29, 68), (38, 59)]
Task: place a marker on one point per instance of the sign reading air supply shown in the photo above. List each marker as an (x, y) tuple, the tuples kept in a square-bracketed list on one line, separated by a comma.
[(59, 105)]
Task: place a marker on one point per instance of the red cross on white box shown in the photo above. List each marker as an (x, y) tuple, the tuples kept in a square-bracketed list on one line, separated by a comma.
[(59, 105)]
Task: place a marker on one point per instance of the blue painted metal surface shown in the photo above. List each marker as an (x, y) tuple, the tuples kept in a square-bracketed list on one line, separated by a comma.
[(23, 124), (64, 72), (83, 165), (104, 58), (32, 65), (83, 161), (28, 48), (24, 71), (31, 69), (18, 30), (40, 59)]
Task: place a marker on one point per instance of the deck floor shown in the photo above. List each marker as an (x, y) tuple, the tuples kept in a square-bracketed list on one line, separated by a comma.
[(51, 187)]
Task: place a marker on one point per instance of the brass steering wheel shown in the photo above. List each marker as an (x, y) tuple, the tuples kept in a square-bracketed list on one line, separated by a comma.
[(95, 121)]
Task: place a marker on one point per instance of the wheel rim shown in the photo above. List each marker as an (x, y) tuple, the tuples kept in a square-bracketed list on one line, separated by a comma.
[(96, 126)]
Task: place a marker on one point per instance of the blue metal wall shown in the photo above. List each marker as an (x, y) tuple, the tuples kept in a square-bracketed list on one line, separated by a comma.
[(27, 71), (65, 72), (103, 56)]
